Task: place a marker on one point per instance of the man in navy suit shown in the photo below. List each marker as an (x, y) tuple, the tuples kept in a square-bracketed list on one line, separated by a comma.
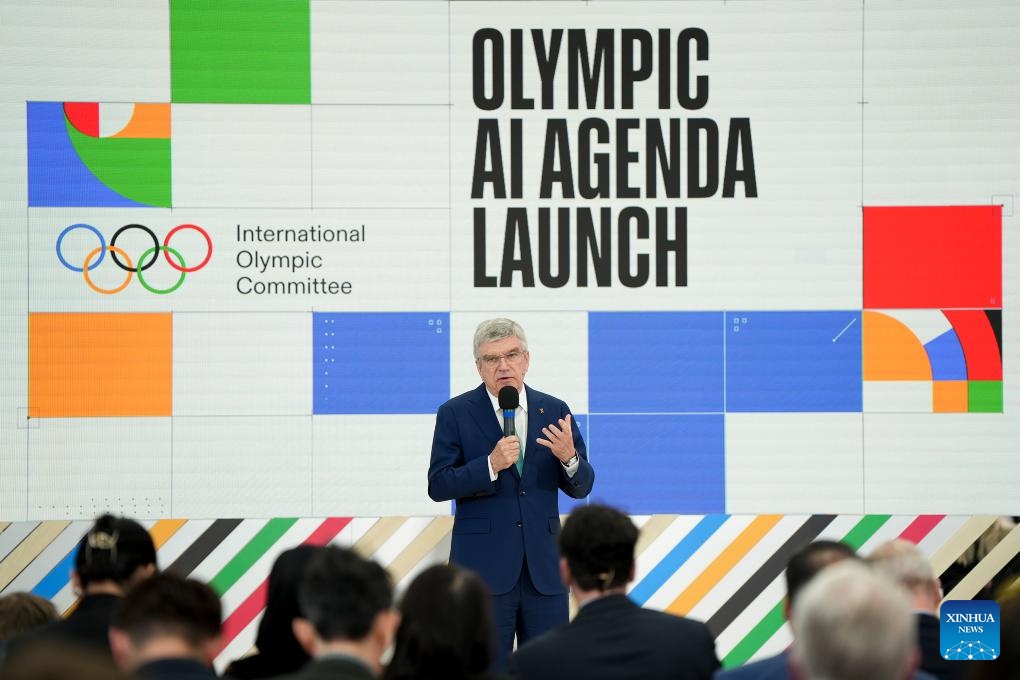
[(506, 487)]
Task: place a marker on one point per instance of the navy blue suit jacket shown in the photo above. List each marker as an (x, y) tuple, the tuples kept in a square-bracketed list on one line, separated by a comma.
[(497, 524)]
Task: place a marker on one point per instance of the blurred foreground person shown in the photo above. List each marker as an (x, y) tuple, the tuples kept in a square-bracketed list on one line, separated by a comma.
[(347, 619), (906, 564), (62, 662), (852, 623), (167, 628), (446, 630), (611, 636), (21, 613), (116, 553), (279, 651)]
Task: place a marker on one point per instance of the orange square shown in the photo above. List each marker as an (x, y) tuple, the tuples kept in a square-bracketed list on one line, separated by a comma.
[(88, 365), (949, 396)]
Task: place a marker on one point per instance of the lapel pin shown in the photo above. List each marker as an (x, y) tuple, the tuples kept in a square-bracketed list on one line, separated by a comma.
[(541, 410)]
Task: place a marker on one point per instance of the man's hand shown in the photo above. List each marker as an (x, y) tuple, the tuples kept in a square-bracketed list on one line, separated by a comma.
[(506, 453), (559, 440)]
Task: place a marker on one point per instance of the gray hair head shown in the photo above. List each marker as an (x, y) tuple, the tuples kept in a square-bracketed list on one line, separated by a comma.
[(492, 330), (903, 562), (852, 623)]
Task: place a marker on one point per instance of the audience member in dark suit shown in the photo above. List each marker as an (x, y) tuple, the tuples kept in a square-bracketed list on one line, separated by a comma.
[(279, 651), (611, 636), (446, 630), (803, 566), (60, 661), (907, 565), (852, 623), (167, 628), (116, 553), (347, 618)]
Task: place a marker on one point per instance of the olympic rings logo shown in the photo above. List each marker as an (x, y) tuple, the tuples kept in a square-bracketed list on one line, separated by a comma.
[(121, 258)]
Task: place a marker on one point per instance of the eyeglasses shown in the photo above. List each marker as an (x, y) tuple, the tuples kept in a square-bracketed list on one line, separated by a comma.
[(492, 360)]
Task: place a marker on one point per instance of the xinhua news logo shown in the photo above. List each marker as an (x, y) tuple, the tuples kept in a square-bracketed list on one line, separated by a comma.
[(132, 251), (969, 630)]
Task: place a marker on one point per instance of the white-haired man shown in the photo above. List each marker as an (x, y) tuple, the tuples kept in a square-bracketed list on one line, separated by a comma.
[(907, 565), (853, 623)]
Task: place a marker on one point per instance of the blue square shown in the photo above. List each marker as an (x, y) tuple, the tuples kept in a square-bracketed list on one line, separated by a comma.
[(380, 363), (969, 630), (648, 464), (793, 362), (655, 362)]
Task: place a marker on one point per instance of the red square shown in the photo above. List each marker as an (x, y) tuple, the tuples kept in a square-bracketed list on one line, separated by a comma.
[(933, 257)]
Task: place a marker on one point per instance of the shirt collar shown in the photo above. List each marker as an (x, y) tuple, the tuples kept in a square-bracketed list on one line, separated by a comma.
[(523, 403)]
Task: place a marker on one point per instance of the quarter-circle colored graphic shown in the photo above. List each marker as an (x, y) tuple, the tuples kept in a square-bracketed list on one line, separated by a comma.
[(892, 351), (148, 121), (84, 116), (946, 357), (70, 164), (57, 176), (979, 342)]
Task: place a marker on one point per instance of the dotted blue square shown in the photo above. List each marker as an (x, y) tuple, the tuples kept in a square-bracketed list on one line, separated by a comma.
[(659, 464), (655, 362), (793, 362), (380, 363)]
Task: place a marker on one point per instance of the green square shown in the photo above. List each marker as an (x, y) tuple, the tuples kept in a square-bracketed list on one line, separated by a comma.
[(984, 396), (240, 51)]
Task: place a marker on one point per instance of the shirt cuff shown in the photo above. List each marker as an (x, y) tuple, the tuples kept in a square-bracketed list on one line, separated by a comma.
[(572, 468), (492, 475)]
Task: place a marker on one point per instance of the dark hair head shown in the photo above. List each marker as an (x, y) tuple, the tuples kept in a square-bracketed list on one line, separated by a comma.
[(341, 594), (276, 635), (811, 559), (112, 550), (446, 630), (169, 605), (598, 544), (22, 612)]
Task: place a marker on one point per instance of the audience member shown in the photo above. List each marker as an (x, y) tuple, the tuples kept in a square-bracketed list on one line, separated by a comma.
[(21, 613), (802, 567), (278, 650), (167, 628), (852, 623), (446, 630), (611, 636), (116, 553), (907, 565), (347, 619)]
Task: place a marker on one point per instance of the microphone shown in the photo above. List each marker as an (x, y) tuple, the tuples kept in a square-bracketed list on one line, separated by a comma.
[(509, 400)]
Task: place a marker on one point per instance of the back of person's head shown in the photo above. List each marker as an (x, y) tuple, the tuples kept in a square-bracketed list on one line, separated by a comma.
[(276, 634), (116, 550), (446, 630), (166, 611), (598, 544), (342, 593), (906, 564), (852, 623), (807, 562), (23, 612)]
